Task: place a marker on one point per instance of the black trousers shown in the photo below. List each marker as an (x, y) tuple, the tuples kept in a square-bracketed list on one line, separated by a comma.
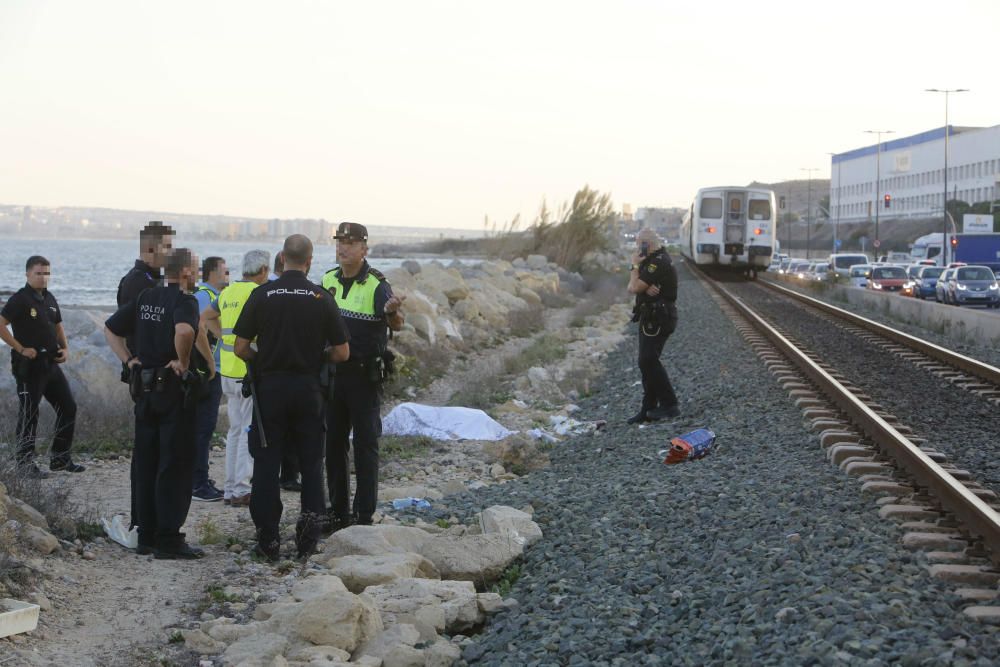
[(162, 466), (354, 405), (291, 407), (206, 418), (656, 387), (46, 382)]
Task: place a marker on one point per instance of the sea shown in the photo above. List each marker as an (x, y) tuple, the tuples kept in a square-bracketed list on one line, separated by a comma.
[(86, 272)]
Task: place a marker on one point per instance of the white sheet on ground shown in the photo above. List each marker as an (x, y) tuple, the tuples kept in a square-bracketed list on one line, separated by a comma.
[(442, 423)]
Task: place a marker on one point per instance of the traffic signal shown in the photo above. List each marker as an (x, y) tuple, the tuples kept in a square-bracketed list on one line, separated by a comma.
[(954, 241), (888, 200)]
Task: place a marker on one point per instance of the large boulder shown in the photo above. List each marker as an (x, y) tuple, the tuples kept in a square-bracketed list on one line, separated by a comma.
[(537, 262), (411, 266), (342, 620), (502, 520), (39, 539), (22, 512), (316, 585), (389, 641), (475, 558), (449, 282), (431, 606), (360, 572), (255, 651), (374, 540)]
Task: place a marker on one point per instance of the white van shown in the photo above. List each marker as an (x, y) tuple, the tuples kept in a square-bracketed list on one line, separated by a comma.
[(841, 262)]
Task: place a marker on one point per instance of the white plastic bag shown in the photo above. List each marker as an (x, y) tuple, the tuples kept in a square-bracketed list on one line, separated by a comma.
[(116, 530)]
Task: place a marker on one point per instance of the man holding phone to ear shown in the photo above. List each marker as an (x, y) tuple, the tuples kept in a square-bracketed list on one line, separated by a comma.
[(653, 280)]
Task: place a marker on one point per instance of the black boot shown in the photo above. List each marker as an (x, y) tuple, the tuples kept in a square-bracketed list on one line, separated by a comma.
[(268, 548), (668, 412), (175, 548), (638, 418)]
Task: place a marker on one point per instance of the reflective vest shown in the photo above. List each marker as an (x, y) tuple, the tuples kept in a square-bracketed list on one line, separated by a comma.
[(212, 296), (231, 303), (359, 304)]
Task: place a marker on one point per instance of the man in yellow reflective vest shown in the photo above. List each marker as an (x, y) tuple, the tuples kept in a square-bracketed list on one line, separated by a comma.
[(226, 310), (369, 309)]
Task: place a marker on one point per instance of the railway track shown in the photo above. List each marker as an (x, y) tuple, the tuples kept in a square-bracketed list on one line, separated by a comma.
[(943, 509)]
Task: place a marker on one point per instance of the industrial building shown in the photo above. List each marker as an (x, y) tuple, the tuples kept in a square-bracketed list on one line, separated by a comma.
[(910, 172)]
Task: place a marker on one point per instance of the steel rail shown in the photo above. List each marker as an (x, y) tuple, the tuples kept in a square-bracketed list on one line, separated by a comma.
[(978, 518), (963, 363)]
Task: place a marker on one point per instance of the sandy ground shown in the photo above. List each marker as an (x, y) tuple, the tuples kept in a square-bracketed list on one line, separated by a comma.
[(105, 605)]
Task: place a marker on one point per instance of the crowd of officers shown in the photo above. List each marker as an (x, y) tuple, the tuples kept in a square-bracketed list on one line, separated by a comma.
[(301, 366)]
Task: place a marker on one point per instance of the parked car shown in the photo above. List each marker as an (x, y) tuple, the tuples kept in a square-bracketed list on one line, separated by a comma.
[(887, 278), (926, 281), (975, 285), (941, 288), (859, 275)]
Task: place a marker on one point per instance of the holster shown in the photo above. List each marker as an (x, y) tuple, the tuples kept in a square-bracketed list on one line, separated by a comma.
[(24, 368), (161, 389)]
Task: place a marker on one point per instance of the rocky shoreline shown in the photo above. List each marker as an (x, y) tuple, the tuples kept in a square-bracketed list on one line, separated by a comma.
[(443, 563)]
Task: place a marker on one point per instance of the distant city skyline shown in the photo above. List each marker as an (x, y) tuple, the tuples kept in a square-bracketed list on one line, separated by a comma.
[(442, 113)]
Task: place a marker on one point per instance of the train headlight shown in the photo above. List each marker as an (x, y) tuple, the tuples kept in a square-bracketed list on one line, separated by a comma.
[(711, 230), (758, 231)]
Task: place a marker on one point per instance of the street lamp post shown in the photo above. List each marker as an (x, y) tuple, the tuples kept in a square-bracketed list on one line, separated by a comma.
[(878, 178), (809, 171), (947, 132)]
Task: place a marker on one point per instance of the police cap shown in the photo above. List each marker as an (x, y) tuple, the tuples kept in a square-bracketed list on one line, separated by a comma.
[(351, 231)]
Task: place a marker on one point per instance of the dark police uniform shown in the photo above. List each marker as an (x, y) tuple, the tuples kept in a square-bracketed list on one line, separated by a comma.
[(293, 321), (354, 402), (163, 458), (657, 317), (139, 278), (33, 317)]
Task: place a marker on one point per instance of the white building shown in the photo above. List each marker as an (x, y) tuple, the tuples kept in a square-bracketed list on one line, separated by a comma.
[(911, 171)]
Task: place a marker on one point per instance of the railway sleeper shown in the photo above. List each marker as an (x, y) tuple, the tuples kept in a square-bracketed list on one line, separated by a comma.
[(918, 541), (900, 512), (977, 594), (977, 575)]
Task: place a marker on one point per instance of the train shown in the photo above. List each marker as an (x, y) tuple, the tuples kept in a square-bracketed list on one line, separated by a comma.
[(731, 227)]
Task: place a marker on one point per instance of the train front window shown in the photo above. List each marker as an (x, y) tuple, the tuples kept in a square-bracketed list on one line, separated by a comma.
[(760, 209), (711, 207)]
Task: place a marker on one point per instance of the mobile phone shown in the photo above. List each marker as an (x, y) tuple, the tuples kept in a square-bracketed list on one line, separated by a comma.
[(644, 248)]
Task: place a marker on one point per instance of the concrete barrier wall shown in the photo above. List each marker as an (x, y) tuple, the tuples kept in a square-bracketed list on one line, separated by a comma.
[(979, 326)]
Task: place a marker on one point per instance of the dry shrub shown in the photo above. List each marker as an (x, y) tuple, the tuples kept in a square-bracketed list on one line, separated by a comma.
[(542, 352), (524, 322), (484, 389)]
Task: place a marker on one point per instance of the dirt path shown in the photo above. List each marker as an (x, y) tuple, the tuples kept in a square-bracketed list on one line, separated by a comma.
[(103, 605)]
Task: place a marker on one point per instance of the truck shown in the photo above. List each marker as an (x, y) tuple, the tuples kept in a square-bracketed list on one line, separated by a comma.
[(979, 249)]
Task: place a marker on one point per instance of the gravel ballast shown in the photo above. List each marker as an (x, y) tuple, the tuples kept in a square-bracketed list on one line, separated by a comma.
[(956, 422), (762, 553)]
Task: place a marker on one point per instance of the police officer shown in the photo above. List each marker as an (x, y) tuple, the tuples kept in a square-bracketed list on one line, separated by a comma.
[(653, 280), (37, 347), (164, 324), (156, 241), (224, 315), (214, 277), (369, 309), (297, 329)]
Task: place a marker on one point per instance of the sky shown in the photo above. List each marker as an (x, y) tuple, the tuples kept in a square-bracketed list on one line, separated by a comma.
[(440, 113)]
